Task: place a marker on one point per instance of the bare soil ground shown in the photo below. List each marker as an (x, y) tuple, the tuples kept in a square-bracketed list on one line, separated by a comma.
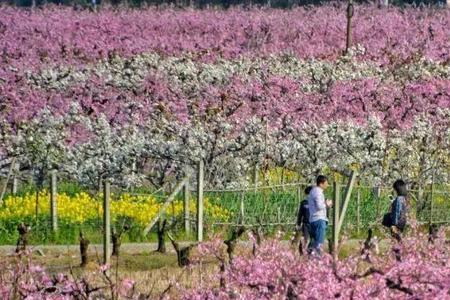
[(153, 271)]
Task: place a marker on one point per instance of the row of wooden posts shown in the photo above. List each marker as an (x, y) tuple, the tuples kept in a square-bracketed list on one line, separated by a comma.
[(339, 209), (183, 185)]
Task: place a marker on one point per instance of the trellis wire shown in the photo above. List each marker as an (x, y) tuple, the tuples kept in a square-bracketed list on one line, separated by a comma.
[(277, 205), (367, 214)]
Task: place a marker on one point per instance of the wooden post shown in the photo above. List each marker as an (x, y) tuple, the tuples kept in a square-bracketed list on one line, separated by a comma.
[(53, 205), (106, 223), (99, 184), (278, 215), (377, 194), (358, 210), (431, 203), (5, 184), (166, 203), (173, 211), (14, 185), (133, 171), (348, 193), (186, 196), (15, 180), (299, 198), (255, 177), (349, 26), (336, 206), (241, 209), (420, 202), (37, 204), (297, 234), (200, 175)]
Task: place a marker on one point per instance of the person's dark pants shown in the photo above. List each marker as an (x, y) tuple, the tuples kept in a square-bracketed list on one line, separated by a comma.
[(317, 232), (306, 229), (305, 240)]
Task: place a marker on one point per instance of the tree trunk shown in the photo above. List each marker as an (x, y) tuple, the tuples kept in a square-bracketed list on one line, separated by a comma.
[(84, 244), (232, 241), (349, 26), (116, 241), (183, 254), (161, 236), (22, 242)]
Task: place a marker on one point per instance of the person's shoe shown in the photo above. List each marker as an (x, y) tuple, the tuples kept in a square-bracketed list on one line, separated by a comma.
[(315, 253)]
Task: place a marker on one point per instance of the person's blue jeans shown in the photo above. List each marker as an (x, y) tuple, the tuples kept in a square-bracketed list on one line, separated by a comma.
[(318, 232)]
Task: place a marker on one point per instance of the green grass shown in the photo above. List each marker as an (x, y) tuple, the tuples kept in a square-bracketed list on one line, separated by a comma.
[(266, 206), (281, 205), (68, 233)]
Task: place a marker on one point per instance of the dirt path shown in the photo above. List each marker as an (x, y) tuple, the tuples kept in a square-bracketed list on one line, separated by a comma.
[(153, 271), (128, 248)]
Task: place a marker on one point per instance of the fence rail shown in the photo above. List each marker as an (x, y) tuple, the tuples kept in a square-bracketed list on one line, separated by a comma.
[(365, 208), (268, 206)]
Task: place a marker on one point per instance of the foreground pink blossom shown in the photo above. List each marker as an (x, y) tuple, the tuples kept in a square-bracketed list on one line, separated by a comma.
[(415, 269)]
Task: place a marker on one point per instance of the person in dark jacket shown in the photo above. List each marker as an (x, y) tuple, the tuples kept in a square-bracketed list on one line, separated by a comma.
[(397, 219), (302, 224)]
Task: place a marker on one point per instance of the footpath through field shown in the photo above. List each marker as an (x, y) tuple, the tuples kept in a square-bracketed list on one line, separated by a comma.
[(134, 247)]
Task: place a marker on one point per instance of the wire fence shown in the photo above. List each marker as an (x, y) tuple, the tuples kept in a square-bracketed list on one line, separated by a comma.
[(266, 206), (278, 205)]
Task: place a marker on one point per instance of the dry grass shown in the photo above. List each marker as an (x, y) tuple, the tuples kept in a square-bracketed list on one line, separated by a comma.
[(153, 271)]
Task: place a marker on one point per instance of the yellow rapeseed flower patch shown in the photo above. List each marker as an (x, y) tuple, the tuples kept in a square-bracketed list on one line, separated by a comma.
[(279, 175), (83, 207)]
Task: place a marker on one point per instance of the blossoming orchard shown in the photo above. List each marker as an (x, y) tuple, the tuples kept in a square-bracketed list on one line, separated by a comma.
[(162, 152)]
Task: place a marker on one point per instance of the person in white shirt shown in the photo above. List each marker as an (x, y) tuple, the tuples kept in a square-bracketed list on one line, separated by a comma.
[(318, 214)]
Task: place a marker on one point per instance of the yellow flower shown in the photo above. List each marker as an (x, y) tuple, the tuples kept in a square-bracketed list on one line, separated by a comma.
[(82, 207)]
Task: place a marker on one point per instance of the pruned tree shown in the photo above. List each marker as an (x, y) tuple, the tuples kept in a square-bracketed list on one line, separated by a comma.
[(183, 253), (84, 245), (231, 243), (22, 241)]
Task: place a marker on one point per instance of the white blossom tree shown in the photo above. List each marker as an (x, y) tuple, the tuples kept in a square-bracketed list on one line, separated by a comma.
[(108, 153)]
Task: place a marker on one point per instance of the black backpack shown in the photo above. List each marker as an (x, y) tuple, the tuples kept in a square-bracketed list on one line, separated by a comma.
[(388, 219)]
